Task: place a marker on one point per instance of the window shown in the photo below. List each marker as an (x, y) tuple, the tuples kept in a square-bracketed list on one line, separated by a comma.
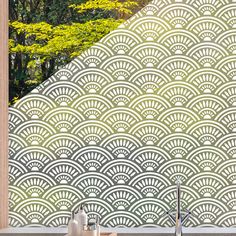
[(151, 103)]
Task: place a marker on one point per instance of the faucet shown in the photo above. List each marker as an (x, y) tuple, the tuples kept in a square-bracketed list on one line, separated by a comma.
[(179, 219)]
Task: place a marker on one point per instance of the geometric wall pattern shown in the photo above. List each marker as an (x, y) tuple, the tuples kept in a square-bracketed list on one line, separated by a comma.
[(152, 102)]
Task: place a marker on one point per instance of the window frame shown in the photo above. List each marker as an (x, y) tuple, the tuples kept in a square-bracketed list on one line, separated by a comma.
[(4, 78)]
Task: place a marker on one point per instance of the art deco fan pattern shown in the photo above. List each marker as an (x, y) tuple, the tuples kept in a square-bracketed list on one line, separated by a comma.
[(152, 102)]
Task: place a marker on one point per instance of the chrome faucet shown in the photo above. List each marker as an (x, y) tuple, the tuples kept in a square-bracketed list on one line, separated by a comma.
[(179, 219)]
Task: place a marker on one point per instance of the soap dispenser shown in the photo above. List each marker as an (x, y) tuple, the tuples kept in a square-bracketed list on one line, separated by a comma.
[(98, 225), (73, 226), (82, 219)]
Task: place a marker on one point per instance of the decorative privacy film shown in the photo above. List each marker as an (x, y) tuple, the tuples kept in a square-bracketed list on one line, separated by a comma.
[(152, 102)]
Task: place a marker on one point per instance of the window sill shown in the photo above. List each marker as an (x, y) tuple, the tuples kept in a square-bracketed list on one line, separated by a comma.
[(122, 232)]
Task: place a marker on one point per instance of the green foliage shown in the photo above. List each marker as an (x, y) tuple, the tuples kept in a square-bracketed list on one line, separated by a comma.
[(121, 7), (47, 34), (45, 41), (13, 101)]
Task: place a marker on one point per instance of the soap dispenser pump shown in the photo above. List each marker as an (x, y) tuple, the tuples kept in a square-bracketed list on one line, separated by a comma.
[(82, 219), (98, 225), (73, 226)]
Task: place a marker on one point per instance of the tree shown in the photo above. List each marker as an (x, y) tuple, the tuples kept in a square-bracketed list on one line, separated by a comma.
[(46, 34), (120, 8)]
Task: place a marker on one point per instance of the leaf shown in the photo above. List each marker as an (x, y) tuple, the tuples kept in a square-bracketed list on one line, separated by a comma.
[(69, 40), (121, 7)]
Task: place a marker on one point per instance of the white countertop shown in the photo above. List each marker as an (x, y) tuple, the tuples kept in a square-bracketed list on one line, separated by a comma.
[(122, 231)]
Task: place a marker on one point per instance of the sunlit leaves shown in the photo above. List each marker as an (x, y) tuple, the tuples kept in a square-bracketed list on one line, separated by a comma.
[(44, 37), (70, 40), (122, 7)]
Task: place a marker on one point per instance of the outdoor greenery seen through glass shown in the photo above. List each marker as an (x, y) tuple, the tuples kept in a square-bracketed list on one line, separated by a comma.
[(47, 34)]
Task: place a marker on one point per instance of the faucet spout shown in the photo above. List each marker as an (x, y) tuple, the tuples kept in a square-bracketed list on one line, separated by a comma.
[(178, 226), (179, 218)]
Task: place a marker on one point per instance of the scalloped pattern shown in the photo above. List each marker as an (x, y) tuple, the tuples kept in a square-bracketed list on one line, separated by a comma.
[(152, 102)]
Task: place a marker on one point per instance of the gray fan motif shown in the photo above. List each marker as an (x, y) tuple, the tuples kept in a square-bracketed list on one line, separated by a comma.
[(152, 102)]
